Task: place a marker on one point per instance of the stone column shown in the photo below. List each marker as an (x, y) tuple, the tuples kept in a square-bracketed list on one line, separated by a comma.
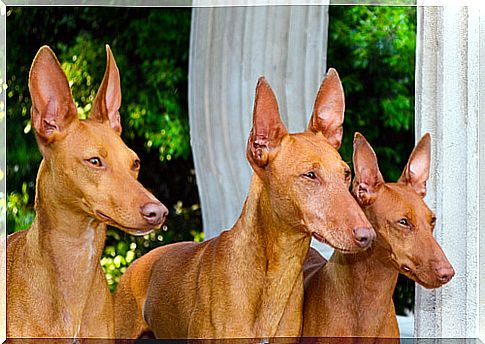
[(481, 190), (230, 47), (450, 44)]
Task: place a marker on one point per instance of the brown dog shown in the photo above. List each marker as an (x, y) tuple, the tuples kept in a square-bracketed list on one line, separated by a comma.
[(248, 282), (87, 179), (351, 295)]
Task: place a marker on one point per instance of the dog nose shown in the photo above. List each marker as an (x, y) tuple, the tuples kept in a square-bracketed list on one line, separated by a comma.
[(364, 236), (154, 213), (445, 273)]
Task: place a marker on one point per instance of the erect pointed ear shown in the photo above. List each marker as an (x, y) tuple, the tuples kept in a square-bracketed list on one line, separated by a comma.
[(53, 108), (416, 172), (367, 178), (108, 100), (267, 130), (328, 110)]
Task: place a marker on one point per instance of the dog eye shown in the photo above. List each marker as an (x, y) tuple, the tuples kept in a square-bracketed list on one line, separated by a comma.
[(403, 222), (310, 175), (136, 165), (433, 221), (95, 161)]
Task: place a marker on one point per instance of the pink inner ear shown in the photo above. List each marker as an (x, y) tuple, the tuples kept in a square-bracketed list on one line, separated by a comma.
[(365, 164), (115, 121), (108, 99), (419, 169), (52, 112), (416, 172), (335, 137), (53, 108), (328, 109), (420, 189), (417, 178), (268, 129), (363, 187), (113, 90), (50, 127)]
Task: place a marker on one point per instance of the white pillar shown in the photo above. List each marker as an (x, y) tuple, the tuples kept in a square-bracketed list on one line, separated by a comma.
[(449, 48), (481, 189), (230, 48)]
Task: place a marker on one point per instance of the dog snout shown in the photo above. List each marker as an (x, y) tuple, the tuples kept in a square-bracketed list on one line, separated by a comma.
[(364, 236), (445, 273), (154, 213)]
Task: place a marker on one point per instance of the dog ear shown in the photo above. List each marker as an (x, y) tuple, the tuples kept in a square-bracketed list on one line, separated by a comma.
[(53, 108), (416, 172), (367, 178), (328, 110), (108, 99), (268, 129)]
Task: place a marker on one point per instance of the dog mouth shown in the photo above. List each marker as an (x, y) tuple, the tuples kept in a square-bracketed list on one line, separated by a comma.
[(406, 269), (103, 217), (410, 273), (322, 239), (130, 230)]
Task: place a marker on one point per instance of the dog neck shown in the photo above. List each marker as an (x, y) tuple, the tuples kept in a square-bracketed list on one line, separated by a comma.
[(68, 243), (274, 250), (275, 240), (368, 280)]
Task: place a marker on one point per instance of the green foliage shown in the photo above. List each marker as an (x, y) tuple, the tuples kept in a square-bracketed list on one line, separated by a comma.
[(117, 258), (404, 295), (19, 211), (373, 49)]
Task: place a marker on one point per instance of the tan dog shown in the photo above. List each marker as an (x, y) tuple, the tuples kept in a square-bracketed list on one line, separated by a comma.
[(351, 295), (87, 179), (248, 282)]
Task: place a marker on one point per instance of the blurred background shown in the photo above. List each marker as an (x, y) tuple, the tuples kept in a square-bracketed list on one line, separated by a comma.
[(373, 49)]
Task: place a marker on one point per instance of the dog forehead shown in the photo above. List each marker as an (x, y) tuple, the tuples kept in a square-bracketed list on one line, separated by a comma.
[(98, 137), (309, 147), (403, 199)]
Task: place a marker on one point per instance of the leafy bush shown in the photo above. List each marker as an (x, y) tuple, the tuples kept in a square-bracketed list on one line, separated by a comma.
[(373, 49), (20, 213)]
